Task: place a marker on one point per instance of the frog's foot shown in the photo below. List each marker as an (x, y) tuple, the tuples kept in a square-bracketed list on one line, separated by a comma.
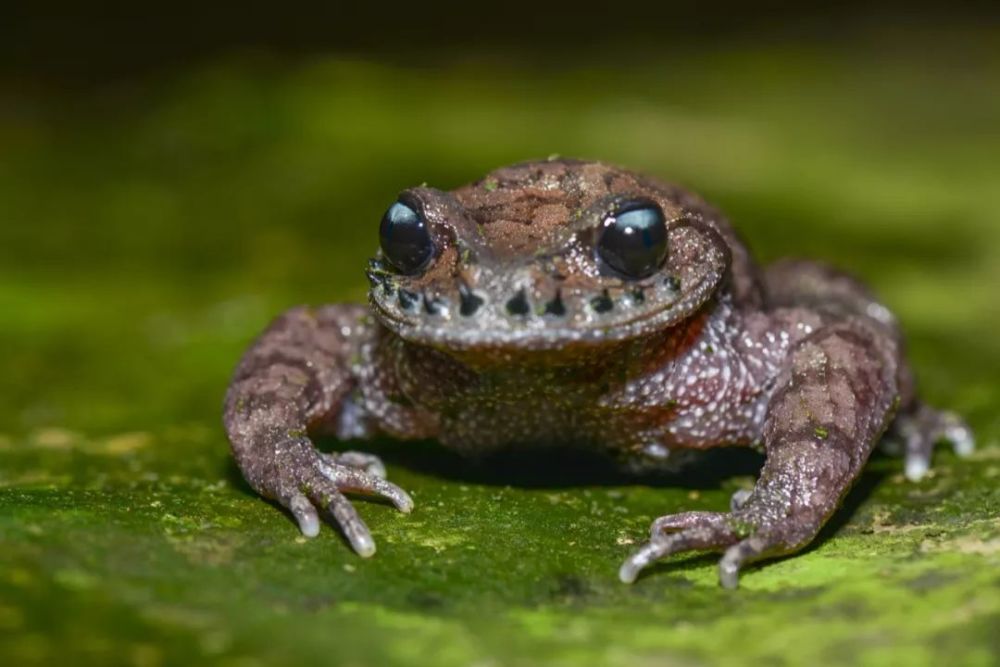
[(738, 534), (689, 531), (675, 533), (921, 429), (307, 479)]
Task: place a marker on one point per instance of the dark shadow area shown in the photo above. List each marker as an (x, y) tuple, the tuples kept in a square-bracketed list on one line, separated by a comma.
[(567, 468), (557, 467), (544, 468), (91, 44)]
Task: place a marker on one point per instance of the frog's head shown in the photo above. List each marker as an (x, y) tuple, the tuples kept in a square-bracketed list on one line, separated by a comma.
[(543, 256)]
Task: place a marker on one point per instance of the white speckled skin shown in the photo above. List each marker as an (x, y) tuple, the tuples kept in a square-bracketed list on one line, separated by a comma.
[(517, 334)]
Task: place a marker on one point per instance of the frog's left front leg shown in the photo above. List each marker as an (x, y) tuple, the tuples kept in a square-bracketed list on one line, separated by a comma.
[(294, 380), (834, 400)]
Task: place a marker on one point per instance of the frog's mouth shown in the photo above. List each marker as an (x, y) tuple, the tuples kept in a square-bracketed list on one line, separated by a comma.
[(518, 307)]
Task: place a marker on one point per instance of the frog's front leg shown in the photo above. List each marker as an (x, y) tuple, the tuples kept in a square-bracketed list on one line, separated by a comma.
[(295, 378), (833, 401)]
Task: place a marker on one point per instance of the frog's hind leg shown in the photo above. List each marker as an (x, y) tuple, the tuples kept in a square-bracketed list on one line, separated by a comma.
[(294, 381)]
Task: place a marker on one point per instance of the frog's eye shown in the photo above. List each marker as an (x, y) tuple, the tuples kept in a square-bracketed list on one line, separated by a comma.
[(632, 239), (405, 239)]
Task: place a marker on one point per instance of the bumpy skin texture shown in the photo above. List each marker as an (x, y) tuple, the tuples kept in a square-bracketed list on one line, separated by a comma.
[(515, 333)]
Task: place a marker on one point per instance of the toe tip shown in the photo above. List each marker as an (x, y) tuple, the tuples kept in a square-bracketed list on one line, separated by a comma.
[(916, 469), (729, 577), (627, 573), (309, 525), (404, 503), (365, 547), (964, 445)]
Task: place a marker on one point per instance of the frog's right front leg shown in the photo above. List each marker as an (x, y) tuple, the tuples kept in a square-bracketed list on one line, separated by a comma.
[(295, 378)]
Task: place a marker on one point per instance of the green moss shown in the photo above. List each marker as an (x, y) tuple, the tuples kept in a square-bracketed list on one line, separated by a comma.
[(225, 196), (742, 528)]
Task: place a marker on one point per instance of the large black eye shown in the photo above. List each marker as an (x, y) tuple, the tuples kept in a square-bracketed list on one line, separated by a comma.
[(405, 239), (633, 239)]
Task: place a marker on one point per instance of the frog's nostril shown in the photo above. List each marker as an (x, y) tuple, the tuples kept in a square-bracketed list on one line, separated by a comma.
[(602, 303), (518, 304), (556, 306), (469, 301)]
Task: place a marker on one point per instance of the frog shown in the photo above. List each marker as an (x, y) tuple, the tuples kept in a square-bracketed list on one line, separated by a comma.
[(572, 302)]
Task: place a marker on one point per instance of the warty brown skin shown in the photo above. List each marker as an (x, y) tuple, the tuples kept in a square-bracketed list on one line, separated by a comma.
[(516, 333)]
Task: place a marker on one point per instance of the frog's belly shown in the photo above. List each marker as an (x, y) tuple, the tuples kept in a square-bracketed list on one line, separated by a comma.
[(498, 426), (642, 433)]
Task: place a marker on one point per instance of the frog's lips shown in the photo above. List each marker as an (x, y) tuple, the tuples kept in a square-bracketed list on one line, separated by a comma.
[(536, 333), (585, 316)]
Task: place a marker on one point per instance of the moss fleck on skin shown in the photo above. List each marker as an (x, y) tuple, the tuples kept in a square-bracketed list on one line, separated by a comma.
[(742, 529)]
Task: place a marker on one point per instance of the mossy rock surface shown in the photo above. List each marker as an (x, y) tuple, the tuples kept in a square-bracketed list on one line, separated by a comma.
[(148, 233)]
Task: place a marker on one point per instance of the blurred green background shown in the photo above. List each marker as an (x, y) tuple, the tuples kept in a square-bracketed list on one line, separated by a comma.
[(171, 180)]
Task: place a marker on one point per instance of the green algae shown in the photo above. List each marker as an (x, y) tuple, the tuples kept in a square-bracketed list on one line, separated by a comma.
[(143, 247)]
